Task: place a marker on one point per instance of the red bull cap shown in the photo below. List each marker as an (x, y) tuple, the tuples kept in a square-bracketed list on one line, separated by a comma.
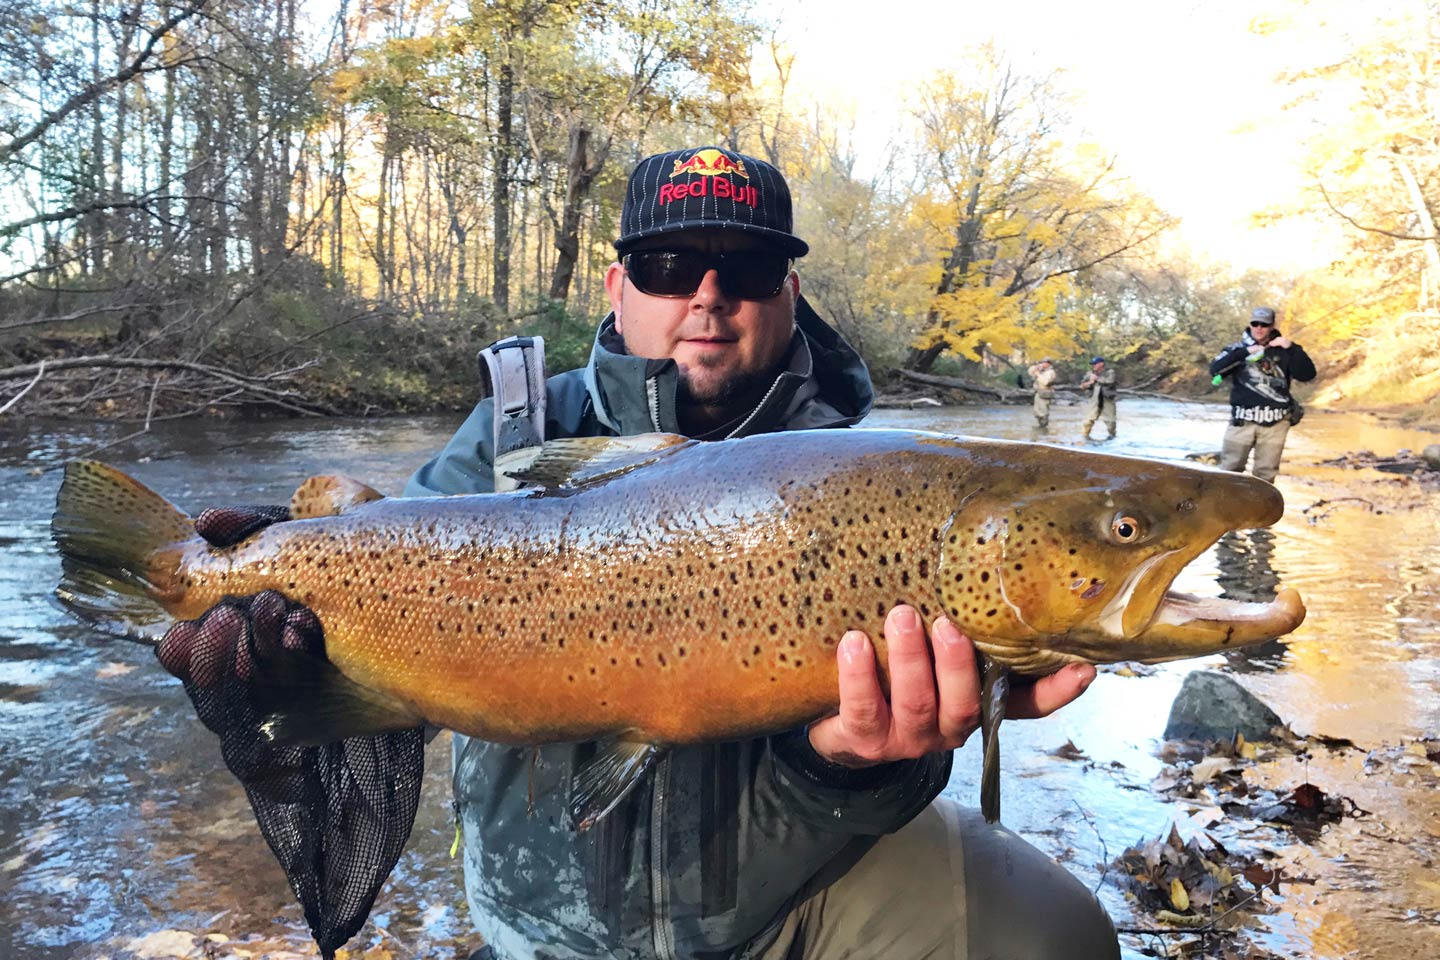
[(708, 188)]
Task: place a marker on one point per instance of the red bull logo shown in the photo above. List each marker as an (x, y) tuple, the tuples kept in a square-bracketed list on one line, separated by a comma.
[(713, 169), (710, 162)]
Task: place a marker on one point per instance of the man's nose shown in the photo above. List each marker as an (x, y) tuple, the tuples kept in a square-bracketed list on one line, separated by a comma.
[(709, 294)]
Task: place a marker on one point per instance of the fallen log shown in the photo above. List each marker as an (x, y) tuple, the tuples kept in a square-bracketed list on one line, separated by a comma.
[(955, 383)]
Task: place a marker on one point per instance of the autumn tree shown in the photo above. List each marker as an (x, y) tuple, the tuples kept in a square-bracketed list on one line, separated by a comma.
[(1018, 216)]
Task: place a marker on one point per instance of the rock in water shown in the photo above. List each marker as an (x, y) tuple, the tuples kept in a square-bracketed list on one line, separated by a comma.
[(1212, 706), (1431, 456)]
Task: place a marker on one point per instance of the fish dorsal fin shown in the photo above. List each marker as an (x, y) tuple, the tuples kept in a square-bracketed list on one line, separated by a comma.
[(579, 461), (327, 496), (606, 778)]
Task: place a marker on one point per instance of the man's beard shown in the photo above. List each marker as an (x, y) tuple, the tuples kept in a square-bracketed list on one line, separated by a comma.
[(722, 393)]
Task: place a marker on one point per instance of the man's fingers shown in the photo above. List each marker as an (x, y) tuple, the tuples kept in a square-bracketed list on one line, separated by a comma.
[(1048, 694), (227, 526), (858, 735), (210, 658), (912, 676), (958, 680), (174, 648)]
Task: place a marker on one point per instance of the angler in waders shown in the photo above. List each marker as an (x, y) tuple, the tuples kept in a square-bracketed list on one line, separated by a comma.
[(1101, 382), (1260, 367)]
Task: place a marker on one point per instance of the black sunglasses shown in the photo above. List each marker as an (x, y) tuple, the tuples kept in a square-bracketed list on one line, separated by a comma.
[(678, 273), (1259, 323)]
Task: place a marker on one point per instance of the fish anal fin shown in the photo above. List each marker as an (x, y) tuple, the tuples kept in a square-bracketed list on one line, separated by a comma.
[(579, 461), (306, 701), (328, 496), (606, 778), (994, 696)]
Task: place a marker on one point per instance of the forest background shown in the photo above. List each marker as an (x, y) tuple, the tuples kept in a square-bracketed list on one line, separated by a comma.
[(328, 207)]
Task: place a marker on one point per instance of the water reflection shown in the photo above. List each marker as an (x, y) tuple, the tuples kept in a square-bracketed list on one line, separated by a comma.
[(1247, 572)]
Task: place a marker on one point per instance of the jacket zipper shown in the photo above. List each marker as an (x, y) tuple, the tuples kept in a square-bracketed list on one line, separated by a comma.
[(652, 400), (660, 924), (740, 430)]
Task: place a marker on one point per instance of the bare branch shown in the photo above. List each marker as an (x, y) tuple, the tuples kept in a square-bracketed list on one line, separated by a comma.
[(16, 399), (100, 87)]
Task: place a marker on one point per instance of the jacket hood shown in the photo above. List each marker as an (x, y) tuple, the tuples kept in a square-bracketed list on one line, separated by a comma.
[(824, 384)]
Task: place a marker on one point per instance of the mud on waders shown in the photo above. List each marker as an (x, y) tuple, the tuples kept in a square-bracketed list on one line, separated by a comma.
[(512, 371)]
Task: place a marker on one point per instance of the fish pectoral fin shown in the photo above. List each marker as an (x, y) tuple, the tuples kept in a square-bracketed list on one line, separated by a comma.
[(994, 695), (306, 701), (580, 461), (606, 778), (329, 496)]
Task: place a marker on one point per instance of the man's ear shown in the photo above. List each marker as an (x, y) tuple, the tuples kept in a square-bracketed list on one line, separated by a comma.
[(794, 281), (614, 287)]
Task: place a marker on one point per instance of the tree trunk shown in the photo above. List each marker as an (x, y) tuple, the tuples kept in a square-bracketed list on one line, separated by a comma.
[(504, 152), (581, 174), (167, 148)]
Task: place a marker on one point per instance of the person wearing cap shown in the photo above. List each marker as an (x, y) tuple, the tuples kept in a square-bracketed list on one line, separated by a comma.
[(820, 842), (1043, 376), (816, 843), (1260, 366), (1102, 397)]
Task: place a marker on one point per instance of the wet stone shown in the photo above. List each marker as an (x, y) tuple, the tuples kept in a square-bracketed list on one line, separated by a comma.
[(1431, 456), (1213, 706)]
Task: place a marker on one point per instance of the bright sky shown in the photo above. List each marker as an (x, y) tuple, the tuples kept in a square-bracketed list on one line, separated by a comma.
[(1180, 90)]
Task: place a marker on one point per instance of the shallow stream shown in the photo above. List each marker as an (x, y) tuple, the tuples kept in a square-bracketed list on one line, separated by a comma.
[(118, 822)]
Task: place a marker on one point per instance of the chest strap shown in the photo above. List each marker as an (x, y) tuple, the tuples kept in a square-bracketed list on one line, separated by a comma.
[(512, 371)]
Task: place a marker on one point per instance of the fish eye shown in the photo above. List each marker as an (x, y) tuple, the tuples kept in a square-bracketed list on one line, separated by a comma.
[(1126, 529)]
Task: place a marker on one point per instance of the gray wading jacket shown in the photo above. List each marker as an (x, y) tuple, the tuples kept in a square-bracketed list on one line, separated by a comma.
[(705, 858)]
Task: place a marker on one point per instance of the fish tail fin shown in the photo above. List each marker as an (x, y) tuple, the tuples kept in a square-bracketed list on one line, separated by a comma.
[(111, 530)]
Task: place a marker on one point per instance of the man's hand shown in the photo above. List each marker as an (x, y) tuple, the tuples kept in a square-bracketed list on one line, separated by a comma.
[(934, 703), (1281, 342)]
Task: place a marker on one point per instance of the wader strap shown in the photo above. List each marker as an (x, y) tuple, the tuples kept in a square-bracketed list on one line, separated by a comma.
[(512, 371)]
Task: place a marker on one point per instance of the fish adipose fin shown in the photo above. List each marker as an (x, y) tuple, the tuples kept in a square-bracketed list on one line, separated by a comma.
[(580, 461), (994, 694), (329, 496), (306, 701), (112, 532), (606, 778)]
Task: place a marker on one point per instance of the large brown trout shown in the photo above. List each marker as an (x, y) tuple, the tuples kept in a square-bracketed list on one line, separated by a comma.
[(662, 591)]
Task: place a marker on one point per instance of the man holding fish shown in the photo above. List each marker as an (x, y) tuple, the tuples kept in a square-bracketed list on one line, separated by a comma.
[(823, 842)]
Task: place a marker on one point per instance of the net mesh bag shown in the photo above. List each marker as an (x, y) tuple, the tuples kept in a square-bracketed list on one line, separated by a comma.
[(336, 815)]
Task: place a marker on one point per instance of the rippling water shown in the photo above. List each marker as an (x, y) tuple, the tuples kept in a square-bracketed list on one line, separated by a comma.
[(117, 819)]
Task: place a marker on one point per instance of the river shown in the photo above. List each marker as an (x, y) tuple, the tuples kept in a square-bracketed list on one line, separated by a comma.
[(119, 827)]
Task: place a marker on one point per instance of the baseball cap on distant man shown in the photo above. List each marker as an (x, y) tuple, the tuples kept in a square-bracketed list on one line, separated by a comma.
[(1263, 315), (708, 188)]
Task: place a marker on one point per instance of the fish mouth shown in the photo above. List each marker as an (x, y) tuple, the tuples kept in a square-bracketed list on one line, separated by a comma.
[(1210, 624), (1150, 623)]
